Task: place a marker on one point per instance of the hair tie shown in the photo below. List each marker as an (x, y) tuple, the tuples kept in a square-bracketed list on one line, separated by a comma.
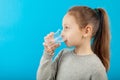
[(96, 11)]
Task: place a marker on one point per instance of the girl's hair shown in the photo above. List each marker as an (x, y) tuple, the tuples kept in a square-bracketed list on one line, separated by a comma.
[(100, 34)]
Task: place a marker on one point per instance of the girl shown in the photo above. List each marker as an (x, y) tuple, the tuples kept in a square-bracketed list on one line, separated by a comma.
[(88, 31)]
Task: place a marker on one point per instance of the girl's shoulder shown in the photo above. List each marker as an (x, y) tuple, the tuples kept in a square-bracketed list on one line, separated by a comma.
[(97, 64), (65, 51)]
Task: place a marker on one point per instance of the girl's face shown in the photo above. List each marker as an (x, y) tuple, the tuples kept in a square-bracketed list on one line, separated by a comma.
[(71, 32)]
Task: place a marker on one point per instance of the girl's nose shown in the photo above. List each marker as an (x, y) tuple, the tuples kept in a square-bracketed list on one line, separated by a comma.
[(63, 35)]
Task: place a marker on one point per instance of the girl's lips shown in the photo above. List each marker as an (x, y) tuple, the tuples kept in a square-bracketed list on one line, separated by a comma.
[(65, 41)]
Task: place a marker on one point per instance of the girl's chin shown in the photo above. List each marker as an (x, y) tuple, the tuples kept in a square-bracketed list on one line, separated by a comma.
[(68, 45)]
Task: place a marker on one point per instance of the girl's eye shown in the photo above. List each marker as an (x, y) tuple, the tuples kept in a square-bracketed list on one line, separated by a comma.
[(66, 27)]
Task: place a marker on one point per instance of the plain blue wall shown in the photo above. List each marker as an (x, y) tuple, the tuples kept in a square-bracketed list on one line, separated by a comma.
[(24, 23)]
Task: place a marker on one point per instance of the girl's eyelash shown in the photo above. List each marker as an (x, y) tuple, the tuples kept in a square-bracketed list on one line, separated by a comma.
[(66, 27)]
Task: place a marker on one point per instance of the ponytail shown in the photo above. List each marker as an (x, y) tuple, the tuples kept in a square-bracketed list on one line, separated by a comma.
[(101, 40)]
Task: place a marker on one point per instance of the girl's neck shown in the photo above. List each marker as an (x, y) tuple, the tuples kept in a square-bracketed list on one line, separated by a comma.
[(83, 50)]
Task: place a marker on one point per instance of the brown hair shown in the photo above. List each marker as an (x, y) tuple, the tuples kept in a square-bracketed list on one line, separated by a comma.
[(100, 34)]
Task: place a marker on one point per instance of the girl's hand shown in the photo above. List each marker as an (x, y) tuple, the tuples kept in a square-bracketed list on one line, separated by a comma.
[(49, 43)]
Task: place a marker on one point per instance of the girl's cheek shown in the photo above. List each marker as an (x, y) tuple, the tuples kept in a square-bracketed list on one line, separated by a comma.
[(70, 39), (69, 36)]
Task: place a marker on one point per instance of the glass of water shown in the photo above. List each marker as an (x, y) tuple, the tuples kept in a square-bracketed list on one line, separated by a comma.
[(57, 36)]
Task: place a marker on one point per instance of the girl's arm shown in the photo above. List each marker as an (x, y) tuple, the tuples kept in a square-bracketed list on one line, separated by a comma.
[(47, 69)]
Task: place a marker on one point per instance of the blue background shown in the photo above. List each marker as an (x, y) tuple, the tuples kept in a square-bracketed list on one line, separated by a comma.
[(24, 23)]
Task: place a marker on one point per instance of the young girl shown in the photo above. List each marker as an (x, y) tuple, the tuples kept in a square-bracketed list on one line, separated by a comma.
[(88, 31)]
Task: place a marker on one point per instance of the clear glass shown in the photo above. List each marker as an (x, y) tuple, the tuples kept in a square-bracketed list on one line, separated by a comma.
[(57, 37)]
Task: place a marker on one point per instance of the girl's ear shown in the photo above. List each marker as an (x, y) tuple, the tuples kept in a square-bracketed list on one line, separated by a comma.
[(87, 31)]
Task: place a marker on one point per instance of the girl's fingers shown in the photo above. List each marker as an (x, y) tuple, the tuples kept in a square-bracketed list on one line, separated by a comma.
[(51, 46), (54, 46), (49, 37), (51, 34), (49, 43)]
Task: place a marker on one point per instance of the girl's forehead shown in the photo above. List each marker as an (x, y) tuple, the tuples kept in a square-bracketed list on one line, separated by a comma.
[(68, 20)]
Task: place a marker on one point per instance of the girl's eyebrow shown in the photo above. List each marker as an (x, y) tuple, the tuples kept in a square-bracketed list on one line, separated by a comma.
[(65, 25)]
